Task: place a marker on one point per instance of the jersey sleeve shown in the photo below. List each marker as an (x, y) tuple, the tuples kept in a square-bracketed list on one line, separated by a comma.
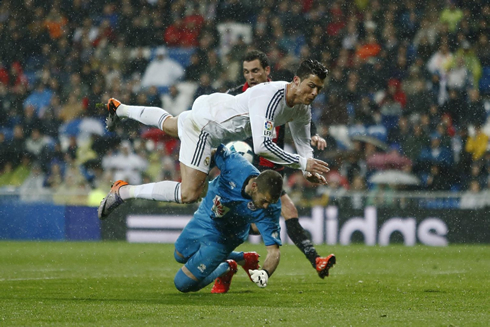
[(268, 225), (262, 108), (301, 133)]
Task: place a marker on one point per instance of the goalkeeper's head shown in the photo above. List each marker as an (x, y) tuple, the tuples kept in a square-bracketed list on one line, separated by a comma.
[(266, 189)]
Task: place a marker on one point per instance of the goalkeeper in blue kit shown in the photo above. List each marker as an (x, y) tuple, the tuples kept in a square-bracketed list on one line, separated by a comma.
[(239, 196)]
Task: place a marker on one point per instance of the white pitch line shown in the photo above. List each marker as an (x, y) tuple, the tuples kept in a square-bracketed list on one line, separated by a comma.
[(33, 278)]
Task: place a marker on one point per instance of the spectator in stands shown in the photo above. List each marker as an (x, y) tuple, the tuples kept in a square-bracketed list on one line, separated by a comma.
[(137, 63), (439, 60), (55, 23), (437, 181), (412, 146), (30, 119), (32, 189), (73, 109), (126, 164), (466, 57), (184, 32), (473, 199), (6, 172), (477, 144), (162, 71), (401, 133), (475, 113), (16, 147), (204, 86), (73, 191), (455, 106), (483, 49), (40, 98), (451, 15), (195, 68), (175, 101), (435, 154), (21, 172), (370, 47), (36, 142), (366, 111)]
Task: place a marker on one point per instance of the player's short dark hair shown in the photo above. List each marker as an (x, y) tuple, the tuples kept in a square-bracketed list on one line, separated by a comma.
[(256, 54), (270, 181), (311, 67)]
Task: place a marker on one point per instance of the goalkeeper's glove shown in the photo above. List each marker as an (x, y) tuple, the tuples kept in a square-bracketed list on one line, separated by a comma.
[(259, 277)]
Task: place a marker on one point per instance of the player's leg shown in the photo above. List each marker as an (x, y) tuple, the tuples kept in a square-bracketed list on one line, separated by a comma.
[(298, 235), (150, 116), (195, 160), (202, 268), (187, 191)]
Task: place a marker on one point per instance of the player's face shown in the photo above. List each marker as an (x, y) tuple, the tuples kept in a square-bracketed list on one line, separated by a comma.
[(309, 88), (254, 73), (262, 200)]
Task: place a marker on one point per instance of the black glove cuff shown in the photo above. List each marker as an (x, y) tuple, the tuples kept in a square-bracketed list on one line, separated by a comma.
[(268, 275)]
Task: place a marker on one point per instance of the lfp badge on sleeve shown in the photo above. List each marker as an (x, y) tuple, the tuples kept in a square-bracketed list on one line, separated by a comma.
[(268, 128)]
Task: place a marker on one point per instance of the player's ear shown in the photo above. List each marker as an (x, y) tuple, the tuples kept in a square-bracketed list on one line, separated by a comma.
[(296, 80), (268, 70)]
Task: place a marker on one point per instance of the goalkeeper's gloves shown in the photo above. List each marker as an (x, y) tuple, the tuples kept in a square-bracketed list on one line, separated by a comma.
[(259, 277)]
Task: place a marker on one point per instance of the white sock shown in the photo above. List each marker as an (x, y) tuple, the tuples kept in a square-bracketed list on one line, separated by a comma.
[(151, 116), (167, 191)]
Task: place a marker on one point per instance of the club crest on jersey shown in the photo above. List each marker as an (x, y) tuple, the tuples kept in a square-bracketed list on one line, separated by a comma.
[(206, 161), (251, 206), (268, 128), (218, 208)]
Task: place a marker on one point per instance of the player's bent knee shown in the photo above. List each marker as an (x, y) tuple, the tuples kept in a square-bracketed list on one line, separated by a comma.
[(179, 258), (190, 196), (184, 283)]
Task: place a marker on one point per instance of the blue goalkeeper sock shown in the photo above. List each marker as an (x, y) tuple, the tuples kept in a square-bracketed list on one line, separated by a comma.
[(220, 270), (237, 256)]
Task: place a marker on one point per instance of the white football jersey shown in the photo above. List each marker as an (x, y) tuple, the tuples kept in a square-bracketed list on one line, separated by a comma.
[(256, 112)]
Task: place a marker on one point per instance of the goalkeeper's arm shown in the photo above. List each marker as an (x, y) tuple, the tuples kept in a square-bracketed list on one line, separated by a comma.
[(261, 276), (272, 260)]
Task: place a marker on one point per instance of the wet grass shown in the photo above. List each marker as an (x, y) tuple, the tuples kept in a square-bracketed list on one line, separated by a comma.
[(120, 284)]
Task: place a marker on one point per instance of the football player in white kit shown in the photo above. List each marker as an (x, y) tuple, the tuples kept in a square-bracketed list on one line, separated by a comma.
[(219, 118)]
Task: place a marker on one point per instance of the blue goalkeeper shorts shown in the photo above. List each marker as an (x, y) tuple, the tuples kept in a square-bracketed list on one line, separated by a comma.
[(202, 250)]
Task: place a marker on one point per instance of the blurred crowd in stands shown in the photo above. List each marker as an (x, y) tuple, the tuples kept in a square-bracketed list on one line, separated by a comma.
[(407, 92)]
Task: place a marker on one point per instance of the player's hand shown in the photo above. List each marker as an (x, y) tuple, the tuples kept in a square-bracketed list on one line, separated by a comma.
[(259, 277), (317, 166), (318, 142), (315, 178)]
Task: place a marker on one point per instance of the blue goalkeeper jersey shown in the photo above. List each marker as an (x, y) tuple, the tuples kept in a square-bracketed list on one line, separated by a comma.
[(227, 210)]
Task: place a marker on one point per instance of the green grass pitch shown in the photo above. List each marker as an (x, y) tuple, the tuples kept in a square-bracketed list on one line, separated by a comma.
[(121, 284)]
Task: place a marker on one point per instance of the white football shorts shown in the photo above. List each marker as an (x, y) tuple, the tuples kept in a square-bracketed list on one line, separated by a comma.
[(195, 143)]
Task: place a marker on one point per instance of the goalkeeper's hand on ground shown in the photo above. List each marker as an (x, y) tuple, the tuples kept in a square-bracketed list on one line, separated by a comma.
[(259, 277)]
